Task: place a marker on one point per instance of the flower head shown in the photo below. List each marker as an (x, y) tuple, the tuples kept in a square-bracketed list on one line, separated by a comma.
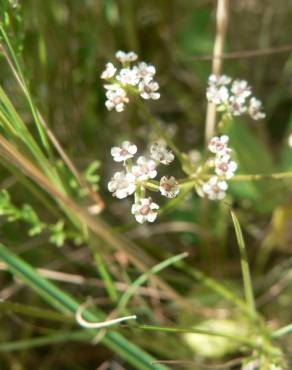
[(241, 89), (255, 109), (160, 153), (145, 210), (145, 71), (148, 90), (225, 167), (109, 71), (218, 145), (116, 98), (144, 169), (125, 57), (122, 184), (168, 186), (237, 105), (128, 76), (217, 94), (219, 80), (215, 189), (124, 152)]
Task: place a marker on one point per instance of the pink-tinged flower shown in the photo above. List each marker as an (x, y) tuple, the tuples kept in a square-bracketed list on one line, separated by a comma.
[(116, 98), (160, 153), (109, 71), (218, 145), (255, 109), (215, 189), (124, 57), (168, 186), (217, 94), (122, 184), (128, 76), (144, 169), (145, 71), (241, 89), (237, 105), (125, 151), (145, 210), (225, 168), (148, 90)]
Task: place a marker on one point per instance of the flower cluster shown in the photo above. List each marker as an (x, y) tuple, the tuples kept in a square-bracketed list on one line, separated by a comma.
[(224, 168), (136, 178), (137, 79), (234, 97)]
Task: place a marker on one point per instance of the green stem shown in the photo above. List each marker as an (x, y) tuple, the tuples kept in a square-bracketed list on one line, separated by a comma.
[(247, 282)]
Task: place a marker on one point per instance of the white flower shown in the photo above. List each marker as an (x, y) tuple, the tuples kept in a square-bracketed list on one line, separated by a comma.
[(122, 184), (145, 71), (148, 90), (255, 107), (225, 167), (116, 98), (124, 152), (241, 89), (217, 95), (128, 76), (145, 210), (215, 189), (237, 105), (218, 145), (160, 153), (169, 187), (219, 80), (109, 71), (124, 57), (144, 169)]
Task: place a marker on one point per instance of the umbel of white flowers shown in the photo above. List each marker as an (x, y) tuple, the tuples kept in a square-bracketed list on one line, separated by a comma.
[(132, 179), (136, 78), (233, 96), (224, 168)]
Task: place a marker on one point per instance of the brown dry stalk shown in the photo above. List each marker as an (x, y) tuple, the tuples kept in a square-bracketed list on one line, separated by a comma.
[(221, 28)]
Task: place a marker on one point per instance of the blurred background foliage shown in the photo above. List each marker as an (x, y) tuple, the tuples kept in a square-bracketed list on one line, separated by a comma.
[(63, 46)]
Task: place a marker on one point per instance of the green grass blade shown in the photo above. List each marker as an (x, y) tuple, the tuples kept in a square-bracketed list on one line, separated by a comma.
[(65, 303)]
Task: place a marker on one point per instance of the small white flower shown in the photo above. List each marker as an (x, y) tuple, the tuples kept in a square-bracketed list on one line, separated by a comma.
[(241, 89), (236, 105), (145, 210), (116, 98), (144, 169), (219, 80), (160, 153), (215, 189), (217, 95), (124, 57), (145, 71), (255, 109), (124, 152), (218, 145), (128, 76), (122, 184), (109, 71), (148, 90), (169, 187), (225, 168)]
